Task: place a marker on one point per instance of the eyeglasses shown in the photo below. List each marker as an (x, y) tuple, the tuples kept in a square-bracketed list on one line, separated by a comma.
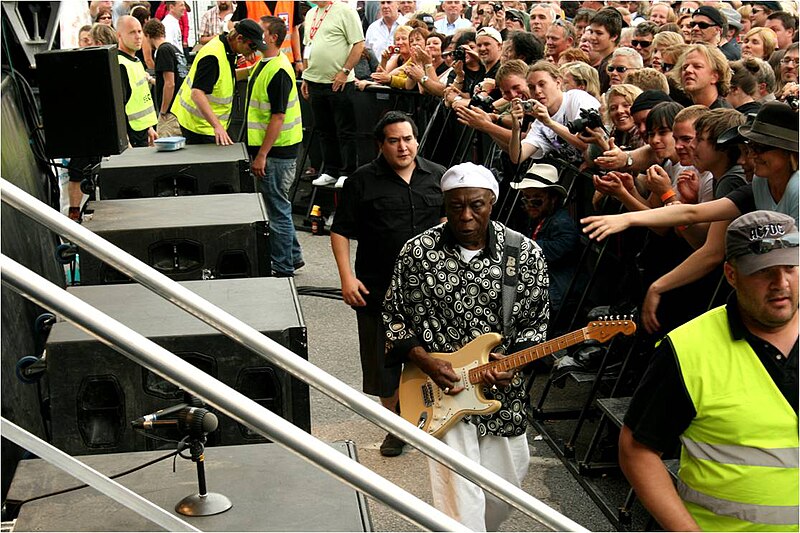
[(701, 25), (643, 44), (621, 70), (790, 61), (532, 202), (666, 67), (767, 245)]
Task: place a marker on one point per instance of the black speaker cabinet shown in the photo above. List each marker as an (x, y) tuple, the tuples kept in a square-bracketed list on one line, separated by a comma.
[(95, 391), (82, 102), (183, 237), (194, 169)]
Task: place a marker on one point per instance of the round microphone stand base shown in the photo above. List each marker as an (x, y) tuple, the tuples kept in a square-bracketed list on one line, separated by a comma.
[(203, 504)]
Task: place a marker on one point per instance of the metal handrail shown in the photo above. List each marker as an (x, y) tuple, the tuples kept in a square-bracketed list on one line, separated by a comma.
[(284, 358), (227, 399), (93, 478)]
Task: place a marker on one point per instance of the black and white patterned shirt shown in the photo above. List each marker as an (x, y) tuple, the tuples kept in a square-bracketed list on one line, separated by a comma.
[(441, 303)]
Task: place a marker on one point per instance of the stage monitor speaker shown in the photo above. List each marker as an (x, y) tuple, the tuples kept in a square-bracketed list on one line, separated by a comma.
[(82, 102), (183, 237), (95, 392), (194, 169)]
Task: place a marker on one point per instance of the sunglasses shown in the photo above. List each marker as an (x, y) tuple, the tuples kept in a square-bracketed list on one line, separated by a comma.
[(701, 25), (621, 70), (251, 45), (532, 202), (757, 10), (757, 148), (666, 67), (767, 245), (643, 44)]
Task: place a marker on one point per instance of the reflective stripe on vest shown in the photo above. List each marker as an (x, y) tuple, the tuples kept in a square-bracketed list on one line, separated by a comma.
[(259, 109), (139, 107), (739, 462), (743, 455), (220, 99), (783, 515)]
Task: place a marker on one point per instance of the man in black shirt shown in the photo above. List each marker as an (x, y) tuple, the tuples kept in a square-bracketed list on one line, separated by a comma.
[(382, 205), (171, 69), (725, 386)]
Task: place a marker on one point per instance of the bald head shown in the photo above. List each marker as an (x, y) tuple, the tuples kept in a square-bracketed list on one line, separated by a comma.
[(129, 34)]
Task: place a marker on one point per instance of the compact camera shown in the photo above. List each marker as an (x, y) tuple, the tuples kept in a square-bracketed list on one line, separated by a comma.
[(497, 6), (458, 54), (394, 49), (483, 101)]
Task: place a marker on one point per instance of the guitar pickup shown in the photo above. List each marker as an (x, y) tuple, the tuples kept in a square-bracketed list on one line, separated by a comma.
[(427, 394)]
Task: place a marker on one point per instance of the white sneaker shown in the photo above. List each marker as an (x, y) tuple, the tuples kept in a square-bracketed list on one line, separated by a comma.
[(324, 180), (340, 182)]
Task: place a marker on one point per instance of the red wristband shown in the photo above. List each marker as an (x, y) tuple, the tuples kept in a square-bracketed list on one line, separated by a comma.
[(667, 195)]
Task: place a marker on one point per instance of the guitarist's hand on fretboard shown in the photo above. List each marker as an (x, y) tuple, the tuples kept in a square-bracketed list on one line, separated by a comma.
[(497, 377), (439, 370)]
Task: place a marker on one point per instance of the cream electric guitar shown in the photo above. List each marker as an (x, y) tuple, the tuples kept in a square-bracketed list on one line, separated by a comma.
[(425, 405)]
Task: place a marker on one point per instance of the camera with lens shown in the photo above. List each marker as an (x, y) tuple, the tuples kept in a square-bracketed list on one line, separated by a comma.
[(483, 102), (394, 49), (497, 6), (793, 102), (588, 118), (528, 105), (459, 54)]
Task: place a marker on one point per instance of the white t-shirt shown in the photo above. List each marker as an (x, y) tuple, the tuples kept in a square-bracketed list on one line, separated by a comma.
[(172, 31), (545, 140)]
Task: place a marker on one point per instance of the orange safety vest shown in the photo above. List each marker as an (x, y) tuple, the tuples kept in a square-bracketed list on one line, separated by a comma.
[(284, 11)]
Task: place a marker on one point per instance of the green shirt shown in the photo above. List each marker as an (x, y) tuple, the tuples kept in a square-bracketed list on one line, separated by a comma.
[(338, 31)]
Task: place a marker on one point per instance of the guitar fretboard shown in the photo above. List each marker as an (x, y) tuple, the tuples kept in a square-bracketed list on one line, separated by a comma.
[(529, 355)]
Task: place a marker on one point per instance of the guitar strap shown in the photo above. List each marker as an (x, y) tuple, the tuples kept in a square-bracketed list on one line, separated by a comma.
[(510, 267)]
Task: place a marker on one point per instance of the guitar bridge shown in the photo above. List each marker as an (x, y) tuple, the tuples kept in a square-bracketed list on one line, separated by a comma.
[(427, 394)]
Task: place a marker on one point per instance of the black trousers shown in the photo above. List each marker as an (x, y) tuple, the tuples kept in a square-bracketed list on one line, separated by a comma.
[(335, 121)]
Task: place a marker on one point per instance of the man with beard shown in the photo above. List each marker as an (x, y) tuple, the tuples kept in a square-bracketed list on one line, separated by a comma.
[(216, 20), (738, 462)]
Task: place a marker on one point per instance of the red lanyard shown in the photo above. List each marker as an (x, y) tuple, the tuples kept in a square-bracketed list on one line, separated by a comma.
[(536, 231), (317, 23)]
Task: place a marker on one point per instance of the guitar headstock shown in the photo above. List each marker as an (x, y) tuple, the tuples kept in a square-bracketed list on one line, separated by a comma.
[(605, 328)]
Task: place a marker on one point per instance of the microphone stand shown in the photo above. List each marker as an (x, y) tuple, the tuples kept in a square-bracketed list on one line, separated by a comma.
[(203, 503)]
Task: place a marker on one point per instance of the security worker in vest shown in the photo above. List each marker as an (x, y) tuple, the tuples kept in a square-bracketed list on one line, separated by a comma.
[(204, 102), (140, 113), (274, 134), (724, 385)]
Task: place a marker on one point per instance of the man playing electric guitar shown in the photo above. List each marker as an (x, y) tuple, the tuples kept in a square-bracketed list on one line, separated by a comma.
[(446, 290)]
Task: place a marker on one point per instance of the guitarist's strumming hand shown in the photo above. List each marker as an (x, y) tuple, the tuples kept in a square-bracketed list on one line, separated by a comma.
[(497, 378), (439, 370)]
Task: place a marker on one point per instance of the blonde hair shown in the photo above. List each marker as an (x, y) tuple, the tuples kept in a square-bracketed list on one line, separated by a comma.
[(768, 37), (665, 39), (648, 78), (693, 112), (403, 30), (671, 16), (584, 75), (716, 60), (626, 90)]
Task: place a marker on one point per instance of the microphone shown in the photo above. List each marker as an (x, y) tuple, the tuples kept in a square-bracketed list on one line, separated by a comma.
[(195, 420)]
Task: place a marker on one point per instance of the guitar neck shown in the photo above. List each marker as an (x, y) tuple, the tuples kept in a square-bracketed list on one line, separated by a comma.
[(523, 357)]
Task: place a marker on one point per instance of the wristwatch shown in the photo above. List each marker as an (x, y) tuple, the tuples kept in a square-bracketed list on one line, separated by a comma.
[(629, 161), (346, 70), (424, 78)]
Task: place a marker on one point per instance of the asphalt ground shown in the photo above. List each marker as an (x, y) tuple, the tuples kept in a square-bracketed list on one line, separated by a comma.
[(333, 346)]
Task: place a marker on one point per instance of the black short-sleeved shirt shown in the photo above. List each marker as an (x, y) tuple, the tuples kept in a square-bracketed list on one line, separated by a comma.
[(743, 198), (720, 103), (207, 71), (750, 108), (729, 182), (661, 408), (169, 59), (381, 211), (137, 139), (278, 90)]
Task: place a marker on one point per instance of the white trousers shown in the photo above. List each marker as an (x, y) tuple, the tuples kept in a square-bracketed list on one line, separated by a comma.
[(461, 499)]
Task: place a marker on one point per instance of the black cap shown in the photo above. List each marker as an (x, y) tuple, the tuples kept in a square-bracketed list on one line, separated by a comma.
[(250, 30), (514, 14), (772, 6), (732, 135), (649, 99), (712, 13), (426, 18)]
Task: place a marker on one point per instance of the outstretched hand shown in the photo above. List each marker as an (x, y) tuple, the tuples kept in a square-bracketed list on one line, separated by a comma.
[(600, 227)]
